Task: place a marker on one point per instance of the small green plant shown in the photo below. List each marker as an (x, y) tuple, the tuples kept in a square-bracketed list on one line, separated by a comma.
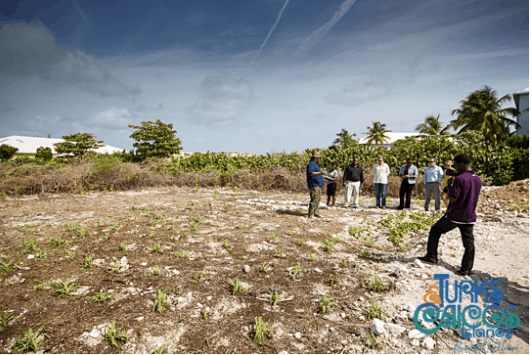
[(29, 341), (155, 248), (357, 231), (328, 244), (115, 225), (370, 242), (123, 247), (81, 233), (240, 225), (156, 271), (158, 215), (58, 242), (101, 297), (72, 227), (6, 267), (289, 231), (372, 339), (88, 262), (153, 234), (302, 241), (279, 253), (71, 255), (275, 299), (343, 262), (6, 318), (373, 312), (326, 304), (113, 336), (226, 243), (64, 289), (42, 254), (199, 276), (169, 228), (136, 231), (146, 213), (374, 284), (236, 190), (237, 286), (264, 268), (261, 328), (332, 279), (273, 238), (182, 254), (205, 314), (101, 223), (159, 350), (312, 257), (30, 246), (295, 270), (105, 236), (364, 254), (41, 285), (160, 302), (115, 269)]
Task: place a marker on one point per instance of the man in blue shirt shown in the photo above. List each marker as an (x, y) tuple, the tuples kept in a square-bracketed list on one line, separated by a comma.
[(314, 182), (432, 180)]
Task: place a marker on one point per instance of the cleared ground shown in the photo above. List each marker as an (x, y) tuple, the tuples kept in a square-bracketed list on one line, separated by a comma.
[(109, 254)]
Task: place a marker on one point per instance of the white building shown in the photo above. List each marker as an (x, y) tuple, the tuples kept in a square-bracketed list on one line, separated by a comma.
[(394, 136), (29, 145), (521, 104)]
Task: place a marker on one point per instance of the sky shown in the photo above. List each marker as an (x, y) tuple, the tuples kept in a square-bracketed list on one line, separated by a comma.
[(257, 76)]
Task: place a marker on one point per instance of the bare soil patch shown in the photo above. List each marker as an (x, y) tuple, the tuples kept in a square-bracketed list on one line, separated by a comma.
[(123, 248)]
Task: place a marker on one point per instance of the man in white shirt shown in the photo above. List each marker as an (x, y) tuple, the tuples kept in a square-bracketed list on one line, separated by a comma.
[(432, 180)]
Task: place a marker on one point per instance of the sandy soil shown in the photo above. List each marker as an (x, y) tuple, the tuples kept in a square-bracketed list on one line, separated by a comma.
[(193, 245)]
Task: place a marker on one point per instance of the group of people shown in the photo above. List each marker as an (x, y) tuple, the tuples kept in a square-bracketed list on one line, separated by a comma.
[(461, 191), (353, 177)]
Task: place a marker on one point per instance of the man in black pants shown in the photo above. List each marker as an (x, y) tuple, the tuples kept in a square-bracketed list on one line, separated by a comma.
[(463, 197), (408, 174)]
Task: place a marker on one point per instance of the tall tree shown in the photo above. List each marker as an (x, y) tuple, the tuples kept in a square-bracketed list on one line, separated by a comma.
[(377, 133), (155, 139), (433, 127), (343, 138), (481, 111), (78, 144)]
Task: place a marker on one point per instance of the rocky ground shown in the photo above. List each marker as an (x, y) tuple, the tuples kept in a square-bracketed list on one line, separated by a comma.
[(74, 264)]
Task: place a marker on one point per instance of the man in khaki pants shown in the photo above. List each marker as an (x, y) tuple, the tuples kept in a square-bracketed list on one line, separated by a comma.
[(314, 182)]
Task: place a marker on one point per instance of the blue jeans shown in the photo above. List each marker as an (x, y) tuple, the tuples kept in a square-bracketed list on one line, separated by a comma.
[(380, 189)]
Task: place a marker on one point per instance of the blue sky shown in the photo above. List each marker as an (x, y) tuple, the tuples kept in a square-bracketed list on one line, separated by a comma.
[(251, 76)]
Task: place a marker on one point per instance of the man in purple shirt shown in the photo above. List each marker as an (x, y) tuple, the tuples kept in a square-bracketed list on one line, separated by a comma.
[(463, 197)]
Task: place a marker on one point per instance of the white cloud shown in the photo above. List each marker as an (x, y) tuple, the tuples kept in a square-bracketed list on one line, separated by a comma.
[(113, 118), (222, 100)]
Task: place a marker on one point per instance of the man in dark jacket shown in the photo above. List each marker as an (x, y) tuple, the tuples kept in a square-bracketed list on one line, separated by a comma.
[(353, 177), (463, 197), (314, 182)]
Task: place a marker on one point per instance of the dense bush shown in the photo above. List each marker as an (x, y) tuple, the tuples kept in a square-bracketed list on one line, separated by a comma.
[(44, 154)]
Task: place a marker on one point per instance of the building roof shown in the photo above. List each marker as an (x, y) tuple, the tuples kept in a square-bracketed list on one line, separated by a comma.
[(29, 145), (522, 92), (394, 136)]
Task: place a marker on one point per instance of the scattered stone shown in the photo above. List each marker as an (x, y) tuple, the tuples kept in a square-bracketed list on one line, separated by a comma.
[(246, 268), (419, 264), (411, 308), (428, 343), (143, 264), (297, 335), (31, 256), (209, 298), (414, 342), (400, 271), (361, 299), (343, 315), (415, 334), (395, 328), (318, 270), (377, 326)]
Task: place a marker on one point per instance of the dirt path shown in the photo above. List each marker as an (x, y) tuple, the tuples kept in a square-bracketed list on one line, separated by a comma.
[(120, 249)]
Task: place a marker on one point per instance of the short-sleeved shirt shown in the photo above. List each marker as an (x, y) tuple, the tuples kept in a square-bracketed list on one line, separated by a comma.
[(314, 181), (465, 189), (333, 175), (411, 171), (433, 174)]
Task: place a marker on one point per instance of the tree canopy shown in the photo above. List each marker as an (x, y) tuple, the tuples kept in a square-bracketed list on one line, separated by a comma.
[(481, 111), (377, 133), (78, 144), (155, 139), (433, 127)]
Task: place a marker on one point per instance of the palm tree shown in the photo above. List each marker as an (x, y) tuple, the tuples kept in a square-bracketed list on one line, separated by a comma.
[(433, 127), (343, 137), (377, 133), (482, 111)]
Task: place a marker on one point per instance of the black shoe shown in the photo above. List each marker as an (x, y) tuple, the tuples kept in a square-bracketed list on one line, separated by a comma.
[(463, 272), (428, 260), (317, 216)]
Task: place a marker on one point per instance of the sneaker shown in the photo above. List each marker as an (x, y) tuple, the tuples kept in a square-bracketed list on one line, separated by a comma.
[(355, 207), (317, 216), (428, 260)]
